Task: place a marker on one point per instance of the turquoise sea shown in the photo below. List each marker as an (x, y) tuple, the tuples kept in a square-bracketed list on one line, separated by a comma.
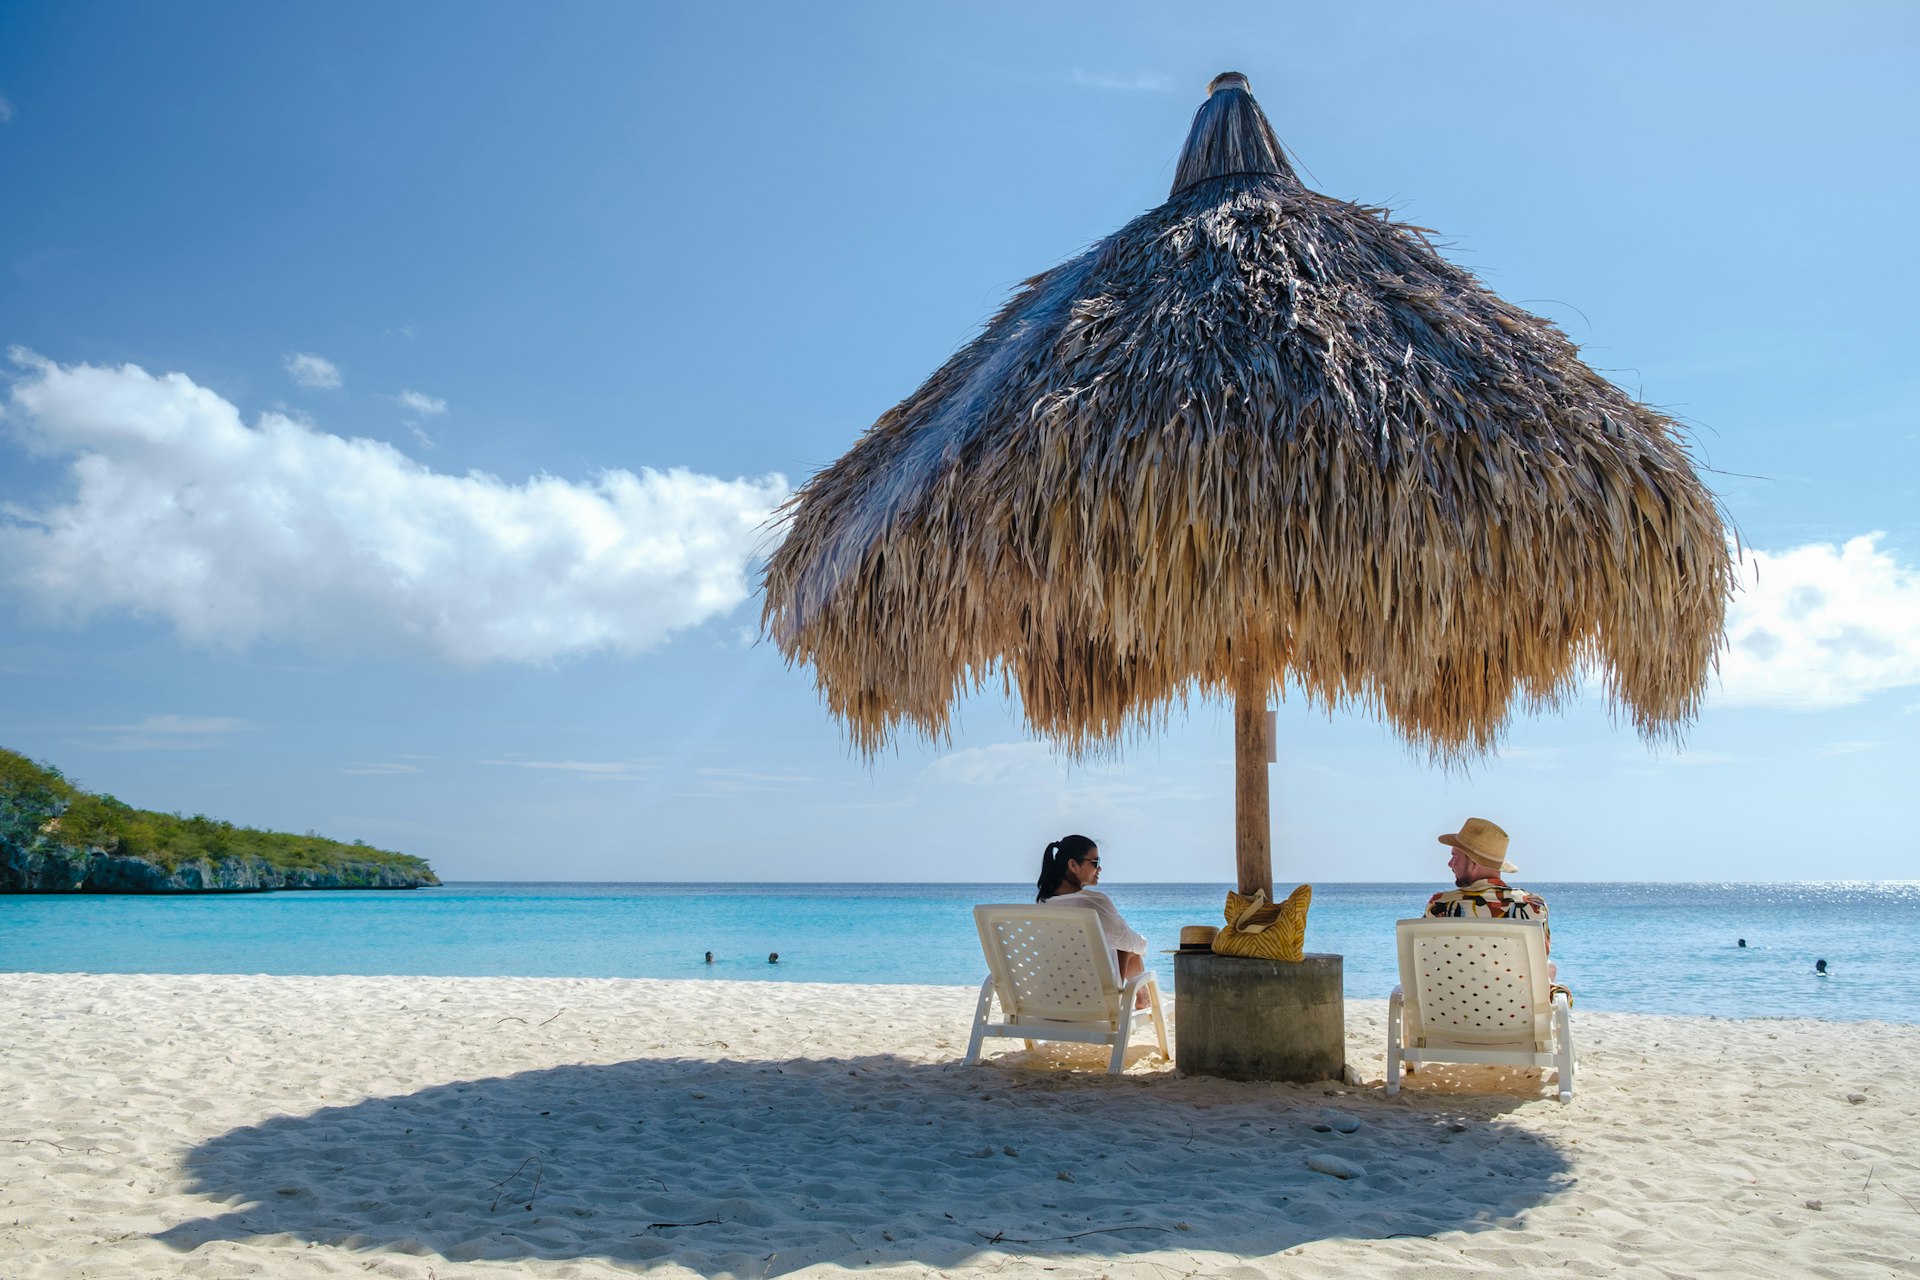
[(1658, 948)]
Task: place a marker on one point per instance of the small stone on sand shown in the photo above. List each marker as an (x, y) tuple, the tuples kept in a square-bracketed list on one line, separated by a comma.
[(1340, 1120), (1335, 1166)]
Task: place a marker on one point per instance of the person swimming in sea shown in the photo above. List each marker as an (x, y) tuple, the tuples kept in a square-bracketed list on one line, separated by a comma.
[(709, 957), (773, 957), (1820, 968)]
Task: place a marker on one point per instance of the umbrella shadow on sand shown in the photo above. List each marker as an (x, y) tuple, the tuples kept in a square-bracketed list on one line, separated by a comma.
[(759, 1168)]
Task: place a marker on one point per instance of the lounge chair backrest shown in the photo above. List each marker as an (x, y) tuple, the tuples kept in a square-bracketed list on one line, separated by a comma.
[(1475, 982), (1049, 962), (1051, 971)]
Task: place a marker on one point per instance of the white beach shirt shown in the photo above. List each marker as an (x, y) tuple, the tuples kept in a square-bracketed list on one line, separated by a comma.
[(1118, 935)]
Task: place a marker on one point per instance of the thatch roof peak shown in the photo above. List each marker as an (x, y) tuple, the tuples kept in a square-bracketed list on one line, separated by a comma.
[(1230, 136)]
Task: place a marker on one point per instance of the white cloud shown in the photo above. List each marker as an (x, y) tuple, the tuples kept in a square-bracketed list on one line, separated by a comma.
[(168, 733), (593, 770), (1000, 764), (1035, 766), (312, 371), (731, 784), (184, 724), (1852, 747), (1822, 626), (6, 109), (1140, 82), (748, 775), (1540, 758), (421, 403), (1685, 759), (379, 769), (234, 534)]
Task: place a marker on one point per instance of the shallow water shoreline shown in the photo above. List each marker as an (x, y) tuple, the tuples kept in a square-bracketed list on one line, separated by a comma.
[(227, 1126)]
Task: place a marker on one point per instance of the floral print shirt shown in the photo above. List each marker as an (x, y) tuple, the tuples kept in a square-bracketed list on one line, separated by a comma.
[(1492, 899)]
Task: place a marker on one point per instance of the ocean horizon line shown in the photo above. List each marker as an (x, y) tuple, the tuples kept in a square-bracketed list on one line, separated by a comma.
[(1522, 881)]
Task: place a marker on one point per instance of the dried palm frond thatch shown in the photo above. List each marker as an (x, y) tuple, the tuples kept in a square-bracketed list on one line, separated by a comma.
[(1259, 438)]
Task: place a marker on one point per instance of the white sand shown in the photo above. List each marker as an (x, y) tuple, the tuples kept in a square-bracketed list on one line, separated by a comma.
[(158, 1126)]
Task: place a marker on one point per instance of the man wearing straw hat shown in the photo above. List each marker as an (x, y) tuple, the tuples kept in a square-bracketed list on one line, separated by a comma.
[(1479, 860)]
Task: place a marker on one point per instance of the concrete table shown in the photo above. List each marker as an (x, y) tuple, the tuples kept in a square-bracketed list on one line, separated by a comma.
[(1259, 1019)]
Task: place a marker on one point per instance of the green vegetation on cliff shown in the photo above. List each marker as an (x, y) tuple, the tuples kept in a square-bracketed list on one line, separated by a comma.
[(40, 796)]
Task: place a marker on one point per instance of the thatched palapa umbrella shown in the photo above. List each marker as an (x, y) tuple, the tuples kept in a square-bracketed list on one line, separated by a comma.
[(1257, 439)]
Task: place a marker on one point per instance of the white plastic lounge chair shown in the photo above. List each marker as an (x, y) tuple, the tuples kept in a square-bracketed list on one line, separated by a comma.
[(1052, 972), (1477, 991)]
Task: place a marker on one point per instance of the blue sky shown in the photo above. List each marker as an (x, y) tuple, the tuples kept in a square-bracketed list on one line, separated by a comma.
[(396, 393)]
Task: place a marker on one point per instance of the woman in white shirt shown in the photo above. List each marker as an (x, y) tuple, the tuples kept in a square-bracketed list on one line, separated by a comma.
[(1069, 870)]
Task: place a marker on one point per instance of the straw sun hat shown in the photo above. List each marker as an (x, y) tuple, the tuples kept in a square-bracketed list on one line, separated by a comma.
[(1482, 841)]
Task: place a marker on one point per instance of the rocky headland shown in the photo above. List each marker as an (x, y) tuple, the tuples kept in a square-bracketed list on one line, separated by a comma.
[(58, 838), (63, 870)]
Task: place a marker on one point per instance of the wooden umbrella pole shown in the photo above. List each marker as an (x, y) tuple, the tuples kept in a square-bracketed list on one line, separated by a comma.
[(1252, 858)]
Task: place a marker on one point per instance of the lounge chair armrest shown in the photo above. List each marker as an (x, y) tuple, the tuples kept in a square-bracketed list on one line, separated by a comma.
[(1131, 989)]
